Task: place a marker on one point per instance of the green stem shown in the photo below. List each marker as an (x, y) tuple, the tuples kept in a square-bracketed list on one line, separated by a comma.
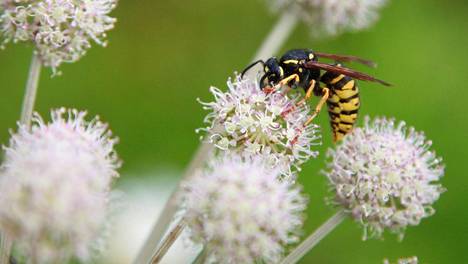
[(314, 238), (201, 258), (168, 241), (26, 116), (170, 209), (277, 36), (31, 91)]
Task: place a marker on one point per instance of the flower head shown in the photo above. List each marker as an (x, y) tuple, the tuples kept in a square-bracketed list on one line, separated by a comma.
[(385, 175), (61, 30), (54, 186), (241, 211), (410, 260), (333, 16), (247, 121)]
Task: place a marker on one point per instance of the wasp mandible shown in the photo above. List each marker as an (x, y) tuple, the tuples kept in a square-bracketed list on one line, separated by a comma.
[(301, 68)]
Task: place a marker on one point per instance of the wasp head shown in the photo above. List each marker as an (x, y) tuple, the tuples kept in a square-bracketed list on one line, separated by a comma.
[(273, 72)]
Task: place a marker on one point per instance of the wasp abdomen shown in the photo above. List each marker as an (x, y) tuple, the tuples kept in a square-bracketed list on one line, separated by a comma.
[(343, 103)]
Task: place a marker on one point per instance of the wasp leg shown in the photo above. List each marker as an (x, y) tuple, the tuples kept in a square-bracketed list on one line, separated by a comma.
[(281, 83), (326, 94), (269, 89), (288, 79), (307, 96)]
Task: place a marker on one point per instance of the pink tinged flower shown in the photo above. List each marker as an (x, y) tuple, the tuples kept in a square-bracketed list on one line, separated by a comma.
[(61, 30), (332, 17), (54, 186), (241, 211), (247, 121), (385, 176)]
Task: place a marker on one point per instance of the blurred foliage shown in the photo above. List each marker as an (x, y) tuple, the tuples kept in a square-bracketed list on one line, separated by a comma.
[(164, 54)]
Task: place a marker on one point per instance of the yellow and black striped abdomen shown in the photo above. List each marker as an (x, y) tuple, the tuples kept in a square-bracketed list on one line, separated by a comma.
[(343, 103)]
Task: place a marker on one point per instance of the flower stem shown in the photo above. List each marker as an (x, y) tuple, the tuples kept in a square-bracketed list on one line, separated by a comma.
[(168, 241), (170, 208), (26, 115), (31, 90), (5, 244), (201, 258), (277, 36), (315, 238), (271, 44)]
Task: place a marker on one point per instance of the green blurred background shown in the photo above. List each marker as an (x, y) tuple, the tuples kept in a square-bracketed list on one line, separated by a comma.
[(162, 55)]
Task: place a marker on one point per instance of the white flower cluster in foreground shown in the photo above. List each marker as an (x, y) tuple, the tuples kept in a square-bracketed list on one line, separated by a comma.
[(61, 30), (332, 16), (385, 175), (241, 211), (247, 121), (54, 186)]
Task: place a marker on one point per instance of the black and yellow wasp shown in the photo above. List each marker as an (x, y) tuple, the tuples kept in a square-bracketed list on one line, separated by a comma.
[(301, 68)]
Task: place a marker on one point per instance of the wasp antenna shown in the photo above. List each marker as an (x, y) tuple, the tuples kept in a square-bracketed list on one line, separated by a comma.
[(384, 83), (250, 66)]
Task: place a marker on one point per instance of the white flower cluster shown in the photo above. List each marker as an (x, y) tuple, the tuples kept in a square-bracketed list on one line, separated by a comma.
[(333, 16), (385, 176), (410, 260), (61, 30), (241, 211), (54, 186), (245, 120)]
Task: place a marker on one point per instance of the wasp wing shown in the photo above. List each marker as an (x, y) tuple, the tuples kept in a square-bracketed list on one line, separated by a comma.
[(345, 71), (346, 58)]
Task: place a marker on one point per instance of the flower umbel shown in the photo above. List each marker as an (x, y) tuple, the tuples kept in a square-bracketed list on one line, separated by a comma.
[(240, 210), (333, 16), (54, 186), (385, 175), (410, 260), (61, 30), (247, 121)]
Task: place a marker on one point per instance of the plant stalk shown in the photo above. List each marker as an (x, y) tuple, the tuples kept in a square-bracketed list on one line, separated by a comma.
[(31, 91), (6, 245), (314, 238), (25, 119), (277, 36), (270, 46), (170, 209), (201, 258), (168, 241)]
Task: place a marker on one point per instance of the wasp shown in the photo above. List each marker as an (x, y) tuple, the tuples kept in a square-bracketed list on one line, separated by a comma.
[(301, 68)]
